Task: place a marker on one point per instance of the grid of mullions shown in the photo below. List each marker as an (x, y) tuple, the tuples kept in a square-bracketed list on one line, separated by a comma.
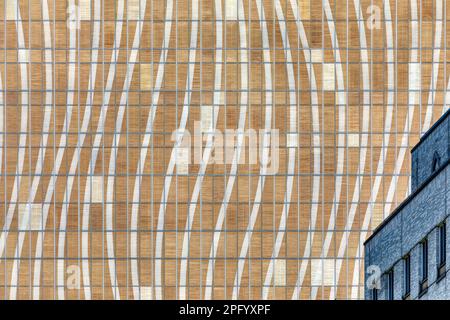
[(321, 191)]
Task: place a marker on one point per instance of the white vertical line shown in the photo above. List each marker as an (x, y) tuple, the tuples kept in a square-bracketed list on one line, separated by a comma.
[(407, 129), (177, 144), (315, 118), (435, 66), (23, 57), (216, 99), (236, 156), (113, 156), (23, 128), (291, 163), (364, 141), (5, 70), (386, 135), (43, 143), (96, 147), (144, 150), (70, 98), (341, 141), (51, 186), (242, 115), (2, 119), (81, 137), (84, 128), (411, 106)]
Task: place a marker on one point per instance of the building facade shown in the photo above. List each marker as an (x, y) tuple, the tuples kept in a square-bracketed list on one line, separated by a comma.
[(103, 196), (406, 256)]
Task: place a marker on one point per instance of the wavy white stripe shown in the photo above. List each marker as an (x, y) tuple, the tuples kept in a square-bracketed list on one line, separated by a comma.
[(2, 125), (22, 59), (435, 73), (404, 143), (82, 134), (172, 161), (314, 113), (363, 149), (209, 141), (96, 146), (43, 143), (236, 156), (60, 153), (447, 97), (341, 101), (75, 157), (184, 117), (144, 150), (384, 149), (435, 65), (244, 73), (292, 150), (149, 128), (113, 157), (2, 119), (411, 103), (70, 98)]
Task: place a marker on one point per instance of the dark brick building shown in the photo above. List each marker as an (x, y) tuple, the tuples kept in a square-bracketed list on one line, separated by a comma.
[(405, 257)]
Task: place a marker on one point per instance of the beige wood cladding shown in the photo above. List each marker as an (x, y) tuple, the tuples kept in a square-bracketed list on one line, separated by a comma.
[(94, 186)]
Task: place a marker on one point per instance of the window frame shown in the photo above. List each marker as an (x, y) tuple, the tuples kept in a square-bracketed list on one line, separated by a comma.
[(374, 294), (442, 250), (406, 276), (390, 285), (423, 281)]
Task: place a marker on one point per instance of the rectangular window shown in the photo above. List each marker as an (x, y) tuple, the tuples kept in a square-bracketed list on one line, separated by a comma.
[(442, 241), (390, 285), (407, 275), (424, 257), (424, 266), (442, 252)]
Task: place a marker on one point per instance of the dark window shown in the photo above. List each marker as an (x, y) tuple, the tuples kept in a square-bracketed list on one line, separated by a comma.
[(442, 250), (442, 241), (390, 285), (424, 258), (407, 275), (424, 266), (374, 294), (436, 162)]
